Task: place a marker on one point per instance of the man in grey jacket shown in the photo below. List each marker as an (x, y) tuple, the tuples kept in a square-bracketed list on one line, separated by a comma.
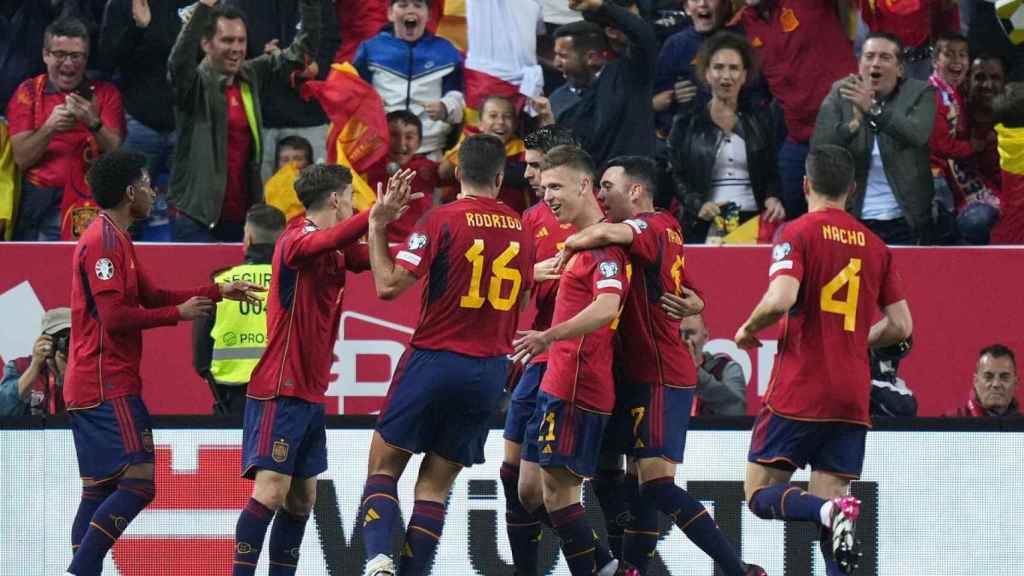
[(721, 384), (215, 176), (884, 120)]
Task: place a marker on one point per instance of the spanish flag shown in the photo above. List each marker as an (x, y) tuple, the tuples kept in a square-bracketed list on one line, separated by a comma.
[(358, 137), (1010, 228), (449, 17)]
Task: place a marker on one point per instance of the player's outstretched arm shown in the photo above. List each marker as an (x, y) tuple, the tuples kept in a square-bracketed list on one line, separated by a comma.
[(389, 279), (307, 247), (894, 327), (598, 235), (152, 295), (777, 300), (597, 314)]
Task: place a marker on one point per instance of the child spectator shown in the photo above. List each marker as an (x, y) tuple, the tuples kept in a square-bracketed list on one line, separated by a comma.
[(292, 154), (406, 135)]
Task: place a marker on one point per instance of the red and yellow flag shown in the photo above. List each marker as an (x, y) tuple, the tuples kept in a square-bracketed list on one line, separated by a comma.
[(358, 137)]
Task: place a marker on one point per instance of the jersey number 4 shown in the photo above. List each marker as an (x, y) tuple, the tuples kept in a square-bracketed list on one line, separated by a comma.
[(500, 273), (849, 277)]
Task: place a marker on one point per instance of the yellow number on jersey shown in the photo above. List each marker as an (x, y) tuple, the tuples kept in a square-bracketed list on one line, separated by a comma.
[(550, 437), (638, 417), (849, 277), (677, 274), (500, 272)]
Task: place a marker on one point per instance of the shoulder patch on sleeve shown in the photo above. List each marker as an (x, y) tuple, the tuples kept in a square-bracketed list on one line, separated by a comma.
[(609, 268), (638, 225), (417, 241), (780, 251), (104, 269)]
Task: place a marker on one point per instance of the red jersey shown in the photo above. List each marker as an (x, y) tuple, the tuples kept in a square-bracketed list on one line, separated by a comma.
[(304, 307), (580, 369), (30, 107), (821, 370), (476, 257), (112, 302), (236, 194), (651, 343), (914, 22), (548, 240), (799, 72)]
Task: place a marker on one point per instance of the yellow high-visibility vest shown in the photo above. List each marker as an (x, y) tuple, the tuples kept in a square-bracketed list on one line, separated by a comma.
[(240, 331)]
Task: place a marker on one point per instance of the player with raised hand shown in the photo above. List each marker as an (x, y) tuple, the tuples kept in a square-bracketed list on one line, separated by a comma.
[(284, 441), (475, 259), (653, 404), (524, 513), (577, 393), (829, 275), (113, 300)]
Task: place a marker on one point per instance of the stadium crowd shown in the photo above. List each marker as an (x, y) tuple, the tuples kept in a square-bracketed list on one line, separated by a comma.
[(728, 97)]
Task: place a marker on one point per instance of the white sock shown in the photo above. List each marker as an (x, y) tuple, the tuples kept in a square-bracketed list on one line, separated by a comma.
[(825, 514)]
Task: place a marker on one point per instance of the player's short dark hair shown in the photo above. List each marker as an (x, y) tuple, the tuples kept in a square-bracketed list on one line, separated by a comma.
[(295, 142), (66, 27), (267, 223), (317, 181), (572, 157), (406, 117), (549, 137), (1008, 107), (830, 170), (112, 173), (222, 12), (725, 40), (481, 158), (879, 35), (947, 38), (639, 169), (586, 36), (999, 351)]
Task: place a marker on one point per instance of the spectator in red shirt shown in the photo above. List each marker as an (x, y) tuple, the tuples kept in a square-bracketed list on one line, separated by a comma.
[(995, 385), (916, 23), (986, 80), (406, 136), (803, 49), (58, 122), (358, 20)]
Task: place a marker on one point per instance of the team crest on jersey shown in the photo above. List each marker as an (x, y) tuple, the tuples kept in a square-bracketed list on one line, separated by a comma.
[(781, 251), (417, 241), (608, 269), (104, 269), (280, 451)]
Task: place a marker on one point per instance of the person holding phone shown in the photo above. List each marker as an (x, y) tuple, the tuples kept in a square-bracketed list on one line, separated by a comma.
[(59, 121)]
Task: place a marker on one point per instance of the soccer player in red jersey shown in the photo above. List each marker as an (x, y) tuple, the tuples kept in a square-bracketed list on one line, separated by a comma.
[(475, 258), (113, 300), (653, 404), (828, 276), (577, 394), (284, 442), (524, 512)]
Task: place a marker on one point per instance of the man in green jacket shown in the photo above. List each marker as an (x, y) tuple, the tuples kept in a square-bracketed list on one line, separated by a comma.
[(215, 177), (884, 120)]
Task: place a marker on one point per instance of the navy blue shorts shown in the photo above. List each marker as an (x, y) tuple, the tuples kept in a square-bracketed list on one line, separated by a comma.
[(442, 402), (521, 407), (833, 447), (111, 437), (650, 421), (567, 435), (284, 434)]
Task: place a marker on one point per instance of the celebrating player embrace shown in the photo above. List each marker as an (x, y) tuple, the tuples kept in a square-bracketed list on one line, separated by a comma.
[(828, 275), (474, 256)]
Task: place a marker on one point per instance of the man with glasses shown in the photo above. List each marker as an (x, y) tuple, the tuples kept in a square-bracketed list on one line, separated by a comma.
[(59, 122)]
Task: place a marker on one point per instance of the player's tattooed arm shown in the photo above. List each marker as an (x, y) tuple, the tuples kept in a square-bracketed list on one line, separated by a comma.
[(780, 297), (598, 313), (389, 279)]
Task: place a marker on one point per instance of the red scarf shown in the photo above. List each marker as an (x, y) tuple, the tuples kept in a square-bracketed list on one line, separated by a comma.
[(77, 208)]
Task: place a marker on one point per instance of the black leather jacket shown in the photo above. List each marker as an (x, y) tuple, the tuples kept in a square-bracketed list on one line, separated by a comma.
[(693, 144)]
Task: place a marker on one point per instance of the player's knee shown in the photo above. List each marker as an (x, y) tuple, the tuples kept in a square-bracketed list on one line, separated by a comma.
[(531, 496), (271, 491), (143, 488), (300, 504)]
